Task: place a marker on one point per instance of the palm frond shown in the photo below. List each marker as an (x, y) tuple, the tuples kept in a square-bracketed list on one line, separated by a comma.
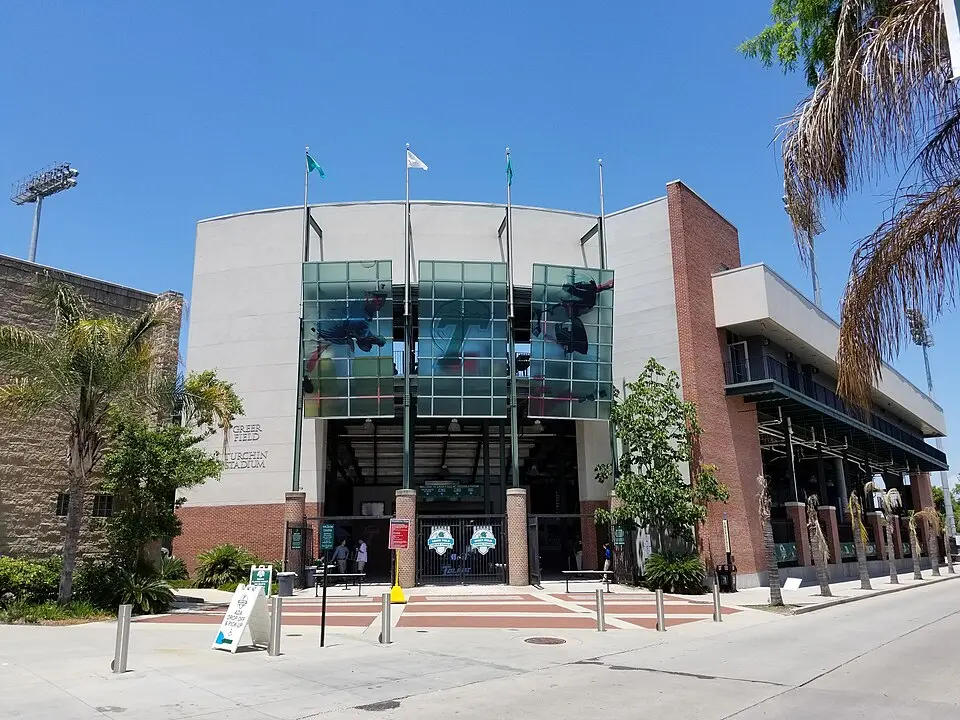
[(856, 516), (25, 398), (930, 517), (910, 261), (69, 306), (163, 313), (23, 351), (940, 156)]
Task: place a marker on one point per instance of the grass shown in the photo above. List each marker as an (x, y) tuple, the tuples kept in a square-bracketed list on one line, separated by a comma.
[(50, 613)]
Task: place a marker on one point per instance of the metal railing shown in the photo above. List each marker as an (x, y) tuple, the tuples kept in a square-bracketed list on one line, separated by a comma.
[(523, 361)]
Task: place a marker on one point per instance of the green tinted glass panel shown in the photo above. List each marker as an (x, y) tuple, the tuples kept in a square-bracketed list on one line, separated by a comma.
[(571, 343), (347, 337), (463, 339)]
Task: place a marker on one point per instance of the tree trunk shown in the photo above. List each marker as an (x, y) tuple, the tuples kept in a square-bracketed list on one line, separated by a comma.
[(888, 533), (820, 563), (932, 550), (915, 551), (773, 569), (861, 555), (78, 470)]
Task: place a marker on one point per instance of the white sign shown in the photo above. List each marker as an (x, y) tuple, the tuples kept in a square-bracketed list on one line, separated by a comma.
[(440, 539), (248, 608), (483, 539), (726, 536), (792, 583)]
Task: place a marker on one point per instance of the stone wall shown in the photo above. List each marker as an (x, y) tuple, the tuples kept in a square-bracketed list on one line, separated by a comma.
[(33, 455)]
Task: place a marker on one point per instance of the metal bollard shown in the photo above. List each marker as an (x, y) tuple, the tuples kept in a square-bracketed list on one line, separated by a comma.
[(717, 612), (385, 619), (661, 617), (119, 664), (601, 613), (276, 626)]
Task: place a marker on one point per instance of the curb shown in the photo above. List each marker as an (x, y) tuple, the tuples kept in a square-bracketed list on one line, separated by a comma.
[(843, 601)]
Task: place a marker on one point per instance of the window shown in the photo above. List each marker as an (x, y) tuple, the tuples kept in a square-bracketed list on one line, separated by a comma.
[(102, 505), (63, 504)]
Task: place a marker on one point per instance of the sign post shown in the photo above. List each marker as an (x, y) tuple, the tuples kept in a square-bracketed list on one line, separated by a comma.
[(262, 577), (399, 540)]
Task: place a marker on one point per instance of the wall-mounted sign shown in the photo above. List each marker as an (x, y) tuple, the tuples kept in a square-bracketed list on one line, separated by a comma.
[(326, 536), (246, 460), (432, 493), (245, 433), (483, 539), (440, 539)]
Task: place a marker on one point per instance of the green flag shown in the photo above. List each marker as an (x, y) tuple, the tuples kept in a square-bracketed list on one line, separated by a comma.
[(313, 165), (509, 171)]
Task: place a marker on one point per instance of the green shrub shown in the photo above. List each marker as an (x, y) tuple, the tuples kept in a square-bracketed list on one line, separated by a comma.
[(675, 572), (29, 581), (224, 564), (148, 595), (181, 584), (98, 582), (172, 568), (32, 613)]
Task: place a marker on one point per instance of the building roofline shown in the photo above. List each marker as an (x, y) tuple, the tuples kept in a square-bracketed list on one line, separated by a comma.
[(83, 279), (637, 206), (700, 197), (397, 202)]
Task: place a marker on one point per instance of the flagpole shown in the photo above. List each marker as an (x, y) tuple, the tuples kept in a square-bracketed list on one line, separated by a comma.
[(298, 417), (512, 349), (407, 331)]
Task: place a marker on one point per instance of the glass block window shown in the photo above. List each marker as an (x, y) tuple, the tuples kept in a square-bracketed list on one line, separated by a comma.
[(347, 337), (462, 364), (571, 343)]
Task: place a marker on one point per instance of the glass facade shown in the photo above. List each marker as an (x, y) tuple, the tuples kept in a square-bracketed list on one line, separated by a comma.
[(462, 360), (347, 336), (571, 343)]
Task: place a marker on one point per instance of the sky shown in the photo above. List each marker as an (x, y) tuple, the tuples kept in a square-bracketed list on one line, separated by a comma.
[(178, 111)]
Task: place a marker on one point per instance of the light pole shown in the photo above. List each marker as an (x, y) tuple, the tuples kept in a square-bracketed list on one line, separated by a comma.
[(920, 332), (34, 188)]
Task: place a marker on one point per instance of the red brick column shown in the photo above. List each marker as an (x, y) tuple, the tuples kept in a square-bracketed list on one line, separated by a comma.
[(518, 565), (831, 531), (797, 514), (897, 542), (875, 520), (589, 538), (294, 515), (407, 510)]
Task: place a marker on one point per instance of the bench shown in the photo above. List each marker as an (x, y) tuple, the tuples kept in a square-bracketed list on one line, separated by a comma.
[(601, 575), (338, 578)]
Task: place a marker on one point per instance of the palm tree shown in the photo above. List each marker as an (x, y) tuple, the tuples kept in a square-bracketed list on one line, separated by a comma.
[(86, 370), (915, 544), (818, 543), (932, 531), (769, 548), (882, 98), (889, 501), (859, 539)]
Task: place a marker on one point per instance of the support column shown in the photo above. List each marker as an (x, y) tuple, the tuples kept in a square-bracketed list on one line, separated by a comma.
[(407, 510), (797, 513), (787, 427), (897, 541), (294, 515), (875, 520), (828, 521), (589, 540), (841, 467), (518, 565)]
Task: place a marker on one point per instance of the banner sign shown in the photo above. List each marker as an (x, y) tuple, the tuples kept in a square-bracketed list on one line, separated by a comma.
[(571, 343), (261, 576), (399, 535), (347, 336), (462, 364), (951, 16), (248, 609)]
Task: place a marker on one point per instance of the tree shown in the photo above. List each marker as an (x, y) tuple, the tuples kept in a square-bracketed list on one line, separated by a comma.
[(769, 548), (889, 502), (144, 468), (882, 101), (659, 433), (84, 368), (859, 539), (915, 544), (938, 504), (818, 543)]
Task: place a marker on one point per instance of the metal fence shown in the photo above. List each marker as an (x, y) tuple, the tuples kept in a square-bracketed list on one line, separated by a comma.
[(461, 550)]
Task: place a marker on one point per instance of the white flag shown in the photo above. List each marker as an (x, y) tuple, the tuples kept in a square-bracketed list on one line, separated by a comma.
[(414, 162), (951, 9)]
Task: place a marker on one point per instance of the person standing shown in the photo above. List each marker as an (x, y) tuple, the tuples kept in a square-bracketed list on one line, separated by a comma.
[(340, 556), (607, 558), (362, 556)]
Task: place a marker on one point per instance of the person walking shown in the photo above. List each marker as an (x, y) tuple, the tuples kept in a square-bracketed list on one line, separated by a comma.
[(607, 558), (362, 556), (340, 557)]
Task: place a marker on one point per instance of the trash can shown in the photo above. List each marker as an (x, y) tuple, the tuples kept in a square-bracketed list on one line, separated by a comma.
[(727, 578), (285, 581), (309, 576)]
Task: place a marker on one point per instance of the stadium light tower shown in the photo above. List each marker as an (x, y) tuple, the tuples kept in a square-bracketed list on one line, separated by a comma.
[(34, 188), (920, 332)]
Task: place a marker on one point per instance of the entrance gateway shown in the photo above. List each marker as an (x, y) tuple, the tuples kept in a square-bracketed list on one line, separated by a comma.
[(461, 549)]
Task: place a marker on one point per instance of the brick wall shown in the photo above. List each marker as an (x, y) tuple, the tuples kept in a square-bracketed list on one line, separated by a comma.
[(258, 528), (703, 242), (33, 455)]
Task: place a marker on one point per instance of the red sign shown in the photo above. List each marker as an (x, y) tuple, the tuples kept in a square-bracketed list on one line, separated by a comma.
[(399, 535)]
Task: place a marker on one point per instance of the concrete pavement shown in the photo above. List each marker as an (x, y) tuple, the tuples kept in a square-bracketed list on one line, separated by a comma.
[(882, 658)]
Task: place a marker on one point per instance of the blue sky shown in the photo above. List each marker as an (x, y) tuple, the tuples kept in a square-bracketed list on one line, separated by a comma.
[(179, 111)]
